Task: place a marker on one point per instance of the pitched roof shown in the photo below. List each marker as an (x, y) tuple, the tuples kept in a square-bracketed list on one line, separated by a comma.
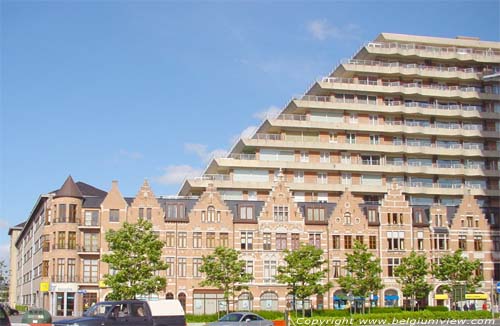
[(90, 191), (69, 189)]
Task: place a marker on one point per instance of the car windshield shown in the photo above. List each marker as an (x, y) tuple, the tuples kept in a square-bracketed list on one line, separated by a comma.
[(98, 310), (231, 317)]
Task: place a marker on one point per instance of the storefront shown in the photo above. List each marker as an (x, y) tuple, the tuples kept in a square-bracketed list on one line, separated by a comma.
[(63, 299), (391, 298)]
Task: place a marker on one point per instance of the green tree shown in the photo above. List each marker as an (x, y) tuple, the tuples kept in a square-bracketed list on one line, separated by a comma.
[(411, 274), (363, 273), (225, 271), (457, 271), (135, 256), (303, 272)]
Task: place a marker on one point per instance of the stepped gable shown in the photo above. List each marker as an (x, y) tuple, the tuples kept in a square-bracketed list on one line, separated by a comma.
[(281, 197), (395, 202), (468, 208), (114, 198), (69, 189), (348, 214), (211, 202), (145, 197), (146, 202)]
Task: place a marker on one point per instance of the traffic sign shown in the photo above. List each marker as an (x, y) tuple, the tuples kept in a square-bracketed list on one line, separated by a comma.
[(498, 287)]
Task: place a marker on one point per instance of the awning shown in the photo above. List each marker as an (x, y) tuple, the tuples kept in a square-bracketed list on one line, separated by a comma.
[(392, 297), (340, 297), (476, 296), (441, 297)]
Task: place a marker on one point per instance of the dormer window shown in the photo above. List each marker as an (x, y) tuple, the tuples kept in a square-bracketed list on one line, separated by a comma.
[(246, 212), (175, 211)]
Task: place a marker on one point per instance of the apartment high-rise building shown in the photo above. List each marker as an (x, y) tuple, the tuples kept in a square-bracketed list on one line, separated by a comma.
[(398, 148)]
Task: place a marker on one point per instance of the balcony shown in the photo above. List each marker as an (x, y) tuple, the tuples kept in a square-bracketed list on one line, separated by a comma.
[(64, 246), (89, 250), (431, 90), (427, 51), (395, 127), (64, 279), (72, 220), (89, 224), (260, 140), (424, 108), (413, 69)]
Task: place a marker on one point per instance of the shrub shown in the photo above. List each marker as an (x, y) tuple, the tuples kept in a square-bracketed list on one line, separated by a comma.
[(437, 308)]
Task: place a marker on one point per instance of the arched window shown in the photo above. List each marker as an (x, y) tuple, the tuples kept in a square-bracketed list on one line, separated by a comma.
[(245, 301), (347, 218), (211, 214), (269, 301), (339, 300), (391, 298), (169, 296)]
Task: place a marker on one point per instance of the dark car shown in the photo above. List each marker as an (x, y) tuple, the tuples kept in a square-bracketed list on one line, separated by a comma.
[(9, 310), (246, 318), (4, 317)]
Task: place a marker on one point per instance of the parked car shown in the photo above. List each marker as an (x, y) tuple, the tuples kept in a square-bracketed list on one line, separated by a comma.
[(131, 312), (244, 317), (10, 311), (4, 317)]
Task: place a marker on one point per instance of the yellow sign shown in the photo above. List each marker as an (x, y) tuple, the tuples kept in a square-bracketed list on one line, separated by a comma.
[(476, 296), (441, 296), (102, 284), (44, 286)]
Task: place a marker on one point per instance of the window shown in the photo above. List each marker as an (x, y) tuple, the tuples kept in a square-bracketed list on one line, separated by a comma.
[(372, 242), (210, 239), (280, 213), (392, 263), (324, 157), (141, 212), (197, 239), (347, 218), (346, 178), (462, 242), (171, 266), (280, 241), (322, 178), (373, 120), (91, 218), (315, 239), (90, 270), (224, 239), (247, 240), (175, 211), (45, 268), (182, 240), (266, 239), (90, 242), (478, 243), (345, 158), (181, 267), (246, 212), (61, 240), (469, 221), (353, 118), (315, 214), (336, 269), (496, 243), (441, 241), (249, 267), (360, 239), (71, 270), (480, 270), (336, 241), (211, 215), (372, 215), (374, 139), (395, 240), (170, 239), (351, 138), (304, 156), (149, 214), (298, 177), (114, 215), (196, 267), (71, 240), (348, 241), (295, 241), (60, 270), (269, 271), (62, 212), (72, 213)]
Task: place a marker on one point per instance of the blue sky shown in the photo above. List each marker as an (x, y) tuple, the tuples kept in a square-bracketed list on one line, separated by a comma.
[(128, 90)]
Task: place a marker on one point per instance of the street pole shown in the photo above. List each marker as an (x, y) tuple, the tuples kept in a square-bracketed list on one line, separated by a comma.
[(492, 298)]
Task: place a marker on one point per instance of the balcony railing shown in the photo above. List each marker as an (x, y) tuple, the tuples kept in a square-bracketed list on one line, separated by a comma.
[(89, 249), (412, 66), (66, 220), (64, 246), (435, 105), (90, 223), (434, 49), (352, 81)]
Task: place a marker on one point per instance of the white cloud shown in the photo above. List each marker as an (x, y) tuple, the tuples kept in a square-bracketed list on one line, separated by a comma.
[(270, 112), (202, 152), (130, 155), (246, 133), (175, 174), (321, 29)]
